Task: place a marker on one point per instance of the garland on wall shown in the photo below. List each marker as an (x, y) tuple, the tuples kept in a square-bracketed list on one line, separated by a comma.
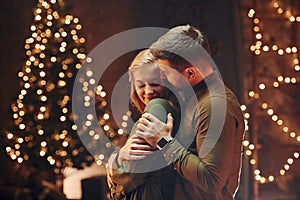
[(265, 45)]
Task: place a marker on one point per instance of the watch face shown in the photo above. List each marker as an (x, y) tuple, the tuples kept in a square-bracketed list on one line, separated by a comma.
[(162, 142)]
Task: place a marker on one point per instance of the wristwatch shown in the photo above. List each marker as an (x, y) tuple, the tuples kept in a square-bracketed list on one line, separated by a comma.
[(164, 141)]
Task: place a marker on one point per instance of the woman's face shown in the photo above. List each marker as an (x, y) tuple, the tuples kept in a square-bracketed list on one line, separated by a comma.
[(147, 83)]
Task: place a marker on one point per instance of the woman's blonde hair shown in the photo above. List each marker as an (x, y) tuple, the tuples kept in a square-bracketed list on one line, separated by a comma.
[(142, 58)]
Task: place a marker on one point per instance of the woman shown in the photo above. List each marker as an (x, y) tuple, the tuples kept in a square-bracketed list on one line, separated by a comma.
[(149, 92)]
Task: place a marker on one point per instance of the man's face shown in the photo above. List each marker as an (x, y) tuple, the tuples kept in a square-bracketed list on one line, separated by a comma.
[(177, 79)]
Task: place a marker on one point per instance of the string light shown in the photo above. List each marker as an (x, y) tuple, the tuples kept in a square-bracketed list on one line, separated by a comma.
[(251, 147), (262, 45)]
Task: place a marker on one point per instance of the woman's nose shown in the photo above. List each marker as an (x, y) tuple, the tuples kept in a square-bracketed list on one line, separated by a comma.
[(148, 89)]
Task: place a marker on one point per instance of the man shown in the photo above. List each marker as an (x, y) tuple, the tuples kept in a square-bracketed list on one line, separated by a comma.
[(206, 151)]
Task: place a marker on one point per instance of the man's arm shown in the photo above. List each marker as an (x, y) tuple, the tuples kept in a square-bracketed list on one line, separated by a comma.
[(209, 172)]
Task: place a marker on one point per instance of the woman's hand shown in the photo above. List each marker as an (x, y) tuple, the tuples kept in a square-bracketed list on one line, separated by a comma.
[(135, 148), (109, 180)]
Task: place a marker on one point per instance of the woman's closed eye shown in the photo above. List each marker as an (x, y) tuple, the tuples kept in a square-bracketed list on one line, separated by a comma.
[(154, 84), (140, 85)]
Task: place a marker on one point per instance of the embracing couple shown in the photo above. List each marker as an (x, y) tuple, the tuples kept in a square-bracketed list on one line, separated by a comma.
[(187, 144)]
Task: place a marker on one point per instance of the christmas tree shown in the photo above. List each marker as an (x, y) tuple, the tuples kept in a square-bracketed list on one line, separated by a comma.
[(44, 134)]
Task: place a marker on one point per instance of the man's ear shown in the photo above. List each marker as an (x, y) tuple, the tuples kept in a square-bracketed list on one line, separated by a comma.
[(190, 72)]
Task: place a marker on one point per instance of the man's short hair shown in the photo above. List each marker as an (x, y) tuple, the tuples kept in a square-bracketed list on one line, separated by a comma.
[(180, 45)]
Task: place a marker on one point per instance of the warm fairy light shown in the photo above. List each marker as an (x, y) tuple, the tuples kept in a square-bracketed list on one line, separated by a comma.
[(258, 36), (262, 86), (276, 84), (91, 132), (270, 111), (286, 167), (92, 81), (101, 156), (256, 172), (282, 172), (274, 117), (23, 92), (251, 13), (22, 126), (266, 48), (43, 144), (280, 52), (20, 160), (264, 105), (124, 124), (40, 116), (9, 136), (287, 79), (271, 178), (251, 93), (62, 83), (288, 50), (65, 144), (43, 98), (247, 115), (120, 131), (257, 177), (274, 47), (248, 152), (90, 117), (263, 180), (285, 129), (296, 61), (106, 116), (290, 161), (251, 146), (96, 137), (99, 88), (279, 122), (42, 153), (257, 52), (292, 134), (246, 142), (106, 127), (88, 123), (294, 49), (40, 132), (243, 108), (62, 118), (279, 10), (20, 140), (102, 94)]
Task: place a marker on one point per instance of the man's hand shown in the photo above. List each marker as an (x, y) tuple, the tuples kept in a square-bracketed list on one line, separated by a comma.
[(152, 129), (135, 148)]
